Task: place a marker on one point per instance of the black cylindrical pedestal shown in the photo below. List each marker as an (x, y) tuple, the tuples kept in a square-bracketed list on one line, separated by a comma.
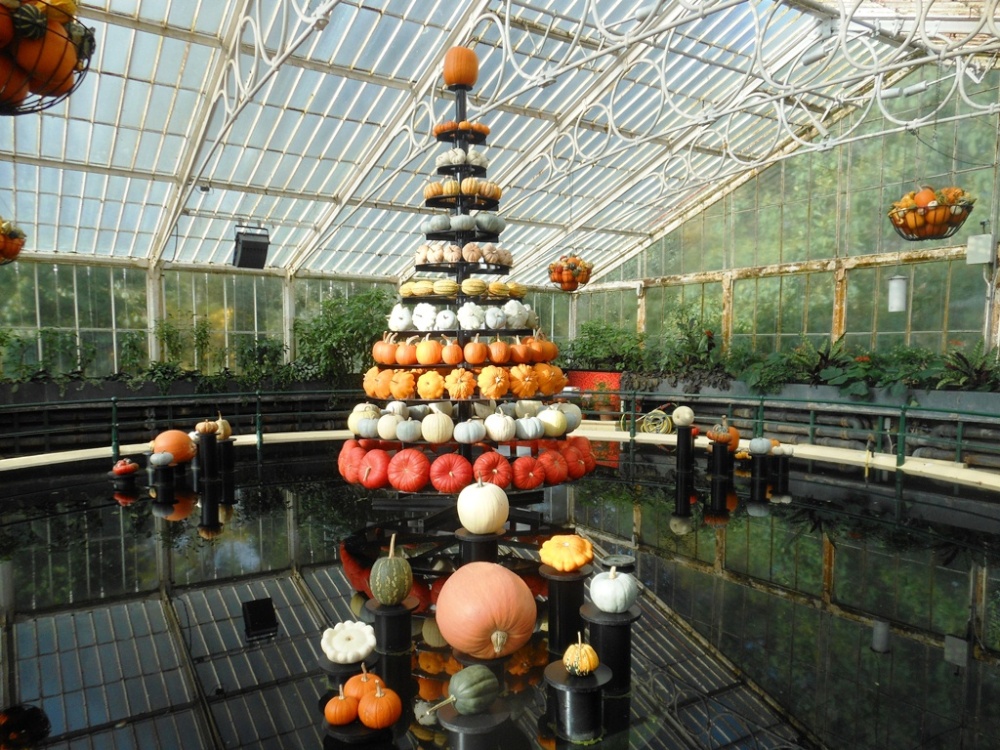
[(392, 625), (478, 547), (611, 637), (496, 666), (578, 714), (617, 721), (565, 600), (780, 478), (759, 477), (476, 731), (621, 563), (720, 461), (338, 674), (227, 455), (208, 457), (685, 450)]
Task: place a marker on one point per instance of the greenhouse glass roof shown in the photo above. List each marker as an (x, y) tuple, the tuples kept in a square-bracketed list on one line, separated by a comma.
[(610, 121)]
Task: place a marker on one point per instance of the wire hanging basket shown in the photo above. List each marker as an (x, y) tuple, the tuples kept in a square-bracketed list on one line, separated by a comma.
[(11, 242), (927, 214), (570, 272), (44, 55)]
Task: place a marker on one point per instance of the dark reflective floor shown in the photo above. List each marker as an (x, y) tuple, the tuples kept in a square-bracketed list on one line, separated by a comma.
[(865, 606)]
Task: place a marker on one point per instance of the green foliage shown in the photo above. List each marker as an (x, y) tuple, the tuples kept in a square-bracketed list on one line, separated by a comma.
[(202, 336), (337, 341), (976, 370), (131, 353), (602, 346), (258, 358), (171, 340)]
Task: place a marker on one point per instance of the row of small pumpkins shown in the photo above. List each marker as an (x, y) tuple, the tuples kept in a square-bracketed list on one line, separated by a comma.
[(461, 383), (42, 47), (179, 447), (379, 464), (525, 419), (436, 350)]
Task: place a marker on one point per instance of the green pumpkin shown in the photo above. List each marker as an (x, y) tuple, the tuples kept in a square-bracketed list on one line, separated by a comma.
[(391, 578), (29, 22), (472, 689)]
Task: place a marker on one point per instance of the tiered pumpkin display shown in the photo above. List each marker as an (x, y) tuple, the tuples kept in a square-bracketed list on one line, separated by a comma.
[(44, 53), (929, 214)]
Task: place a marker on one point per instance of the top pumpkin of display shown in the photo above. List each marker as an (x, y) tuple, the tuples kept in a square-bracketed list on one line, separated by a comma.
[(461, 67)]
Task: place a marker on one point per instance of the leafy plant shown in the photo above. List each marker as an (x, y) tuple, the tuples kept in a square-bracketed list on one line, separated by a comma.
[(337, 341), (131, 353), (602, 346), (258, 358), (202, 335), (171, 340), (976, 370)]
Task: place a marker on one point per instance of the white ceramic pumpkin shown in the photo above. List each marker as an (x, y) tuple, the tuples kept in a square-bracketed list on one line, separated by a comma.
[(437, 428), (483, 508), (613, 591), (500, 427)]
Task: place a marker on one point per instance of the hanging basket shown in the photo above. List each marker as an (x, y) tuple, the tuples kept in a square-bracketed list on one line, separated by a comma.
[(570, 272), (929, 223), (11, 242), (44, 55)]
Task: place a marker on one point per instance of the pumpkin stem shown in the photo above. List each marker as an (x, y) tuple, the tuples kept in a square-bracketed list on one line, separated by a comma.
[(613, 573), (392, 545), (342, 696), (499, 639), (441, 704)]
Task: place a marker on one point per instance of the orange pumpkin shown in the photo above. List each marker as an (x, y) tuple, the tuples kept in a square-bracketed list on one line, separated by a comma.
[(460, 383), (461, 67), (359, 685), (523, 381), (402, 385), (368, 382), (566, 552), (13, 82), (430, 385), (383, 383), (380, 709), (341, 709), (429, 351), (177, 443), (499, 351), (406, 352), (451, 352), (50, 60), (494, 381), (384, 350), (6, 26), (476, 351), (519, 352)]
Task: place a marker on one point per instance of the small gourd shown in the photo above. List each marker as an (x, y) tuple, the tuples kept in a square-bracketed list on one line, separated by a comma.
[(380, 709), (341, 709), (348, 642), (580, 659), (472, 690), (391, 578), (613, 591), (225, 430), (760, 446), (566, 552), (683, 416), (206, 427), (470, 431)]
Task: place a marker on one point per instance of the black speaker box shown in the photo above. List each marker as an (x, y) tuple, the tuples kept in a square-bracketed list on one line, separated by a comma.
[(251, 250)]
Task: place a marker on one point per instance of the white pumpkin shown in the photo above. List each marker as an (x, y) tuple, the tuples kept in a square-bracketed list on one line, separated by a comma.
[(554, 422), (398, 407), (437, 428), (527, 408), (683, 416), (613, 591), (419, 411), (470, 431), (481, 410), (483, 508), (574, 416), (441, 407), (408, 431), (446, 321), (361, 411), (387, 425), (368, 427), (681, 525), (500, 427), (348, 642), (400, 318), (495, 318), (760, 446), (528, 428)]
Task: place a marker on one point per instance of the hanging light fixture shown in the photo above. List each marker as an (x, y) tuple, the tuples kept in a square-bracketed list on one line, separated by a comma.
[(897, 293)]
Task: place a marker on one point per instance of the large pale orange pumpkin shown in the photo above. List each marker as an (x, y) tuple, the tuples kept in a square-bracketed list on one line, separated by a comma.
[(177, 443), (486, 610)]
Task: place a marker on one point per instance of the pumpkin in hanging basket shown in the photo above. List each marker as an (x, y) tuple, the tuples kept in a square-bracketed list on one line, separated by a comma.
[(929, 214)]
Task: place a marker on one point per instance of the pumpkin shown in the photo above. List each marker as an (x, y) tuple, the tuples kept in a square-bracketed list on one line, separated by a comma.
[(50, 59), (386, 426), (760, 446), (523, 381), (177, 443), (409, 470), (341, 709), (368, 381), (550, 378), (520, 353), (613, 591), (368, 427), (348, 642), (437, 428), (472, 690), (29, 22), (406, 352), (380, 709), (450, 472), (373, 473), (483, 507), (494, 381), (431, 633), (554, 422), (452, 353), (554, 465), (429, 689), (383, 383), (6, 26), (391, 578), (59, 10), (430, 662), (360, 685), (402, 384), (580, 659), (566, 552), (493, 468), (408, 431), (574, 416), (13, 83), (725, 434), (500, 427), (576, 467), (476, 352), (429, 351), (486, 610), (470, 431), (499, 351), (384, 350), (461, 67), (225, 430), (430, 385), (460, 383), (526, 474), (207, 427), (361, 411), (683, 416), (528, 428)]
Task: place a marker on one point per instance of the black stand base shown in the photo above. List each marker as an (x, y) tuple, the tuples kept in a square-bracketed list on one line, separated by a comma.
[(565, 600), (393, 633), (478, 547), (578, 714), (611, 637), (476, 731)]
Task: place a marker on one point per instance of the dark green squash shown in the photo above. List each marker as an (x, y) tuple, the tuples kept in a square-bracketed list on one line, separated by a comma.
[(29, 22), (472, 690), (391, 578)]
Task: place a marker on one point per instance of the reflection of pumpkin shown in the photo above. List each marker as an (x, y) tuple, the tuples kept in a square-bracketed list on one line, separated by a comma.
[(486, 610)]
